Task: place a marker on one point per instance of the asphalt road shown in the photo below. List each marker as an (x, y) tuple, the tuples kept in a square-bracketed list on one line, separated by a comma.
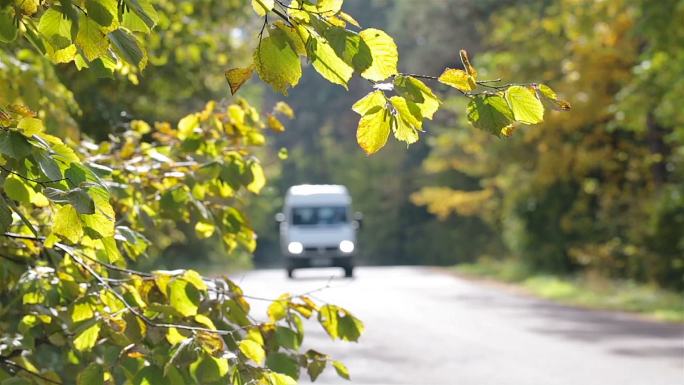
[(424, 326)]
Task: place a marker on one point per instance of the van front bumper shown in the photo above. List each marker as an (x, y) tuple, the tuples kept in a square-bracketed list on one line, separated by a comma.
[(319, 260)]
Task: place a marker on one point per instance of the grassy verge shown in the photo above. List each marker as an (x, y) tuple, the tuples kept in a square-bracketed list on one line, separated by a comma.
[(586, 290)]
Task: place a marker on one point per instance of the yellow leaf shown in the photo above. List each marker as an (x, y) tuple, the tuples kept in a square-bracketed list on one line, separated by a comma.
[(67, 223), (204, 229), (253, 351), (261, 7), (284, 109), (275, 124), (384, 53), (174, 337), (458, 79), (29, 126), (86, 338), (375, 99), (346, 17), (237, 77), (258, 178), (373, 131)]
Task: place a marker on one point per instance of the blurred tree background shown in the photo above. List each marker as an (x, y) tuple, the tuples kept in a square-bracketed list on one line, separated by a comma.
[(599, 191)]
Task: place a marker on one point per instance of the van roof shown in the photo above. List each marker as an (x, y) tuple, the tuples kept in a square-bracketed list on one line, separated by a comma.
[(311, 194), (311, 189)]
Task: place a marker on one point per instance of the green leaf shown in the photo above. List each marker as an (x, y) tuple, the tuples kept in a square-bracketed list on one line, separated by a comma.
[(56, 28), (349, 328), (17, 189), (287, 338), (87, 337), (276, 61), (373, 130), (261, 7), (128, 47), (417, 94), (150, 375), (253, 351), (341, 369), (350, 48), (372, 101), (524, 104), (282, 363), (237, 77), (184, 297), (48, 165), (82, 202), (14, 145), (90, 39), (490, 113), (104, 12), (326, 62), (67, 224), (316, 364), (8, 27), (297, 37), (384, 52), (16, 381), (458, 79), (183, 345), (208, 369), (79, 198), (144, 12), (93, 374)]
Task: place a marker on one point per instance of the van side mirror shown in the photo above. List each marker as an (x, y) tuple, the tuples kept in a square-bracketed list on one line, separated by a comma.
[(358, 219), (279, 218)]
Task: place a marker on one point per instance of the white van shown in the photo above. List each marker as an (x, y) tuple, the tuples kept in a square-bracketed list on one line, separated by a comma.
[(317, 228)]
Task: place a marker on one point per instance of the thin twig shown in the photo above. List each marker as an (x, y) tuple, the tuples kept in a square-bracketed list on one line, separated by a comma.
[(133, 310), (40, 182), (27, 370)]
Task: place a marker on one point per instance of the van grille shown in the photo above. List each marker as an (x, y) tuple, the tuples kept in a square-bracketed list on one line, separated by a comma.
[(314, 248)]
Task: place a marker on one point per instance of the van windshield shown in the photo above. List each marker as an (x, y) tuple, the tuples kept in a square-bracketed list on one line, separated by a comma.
[(330, 215)]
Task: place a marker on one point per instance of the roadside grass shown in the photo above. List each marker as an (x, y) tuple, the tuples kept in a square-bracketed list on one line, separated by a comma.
[(587, 290)]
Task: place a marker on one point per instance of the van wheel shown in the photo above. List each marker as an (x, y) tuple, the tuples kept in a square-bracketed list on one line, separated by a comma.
[(349, 271), (289, 273)]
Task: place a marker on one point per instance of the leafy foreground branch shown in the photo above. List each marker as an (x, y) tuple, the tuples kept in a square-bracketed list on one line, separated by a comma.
[(319, 33), (75, 300), (75, 213)]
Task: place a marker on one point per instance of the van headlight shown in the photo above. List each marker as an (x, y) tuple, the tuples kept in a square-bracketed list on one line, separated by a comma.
[(295, 247), (346, 246)]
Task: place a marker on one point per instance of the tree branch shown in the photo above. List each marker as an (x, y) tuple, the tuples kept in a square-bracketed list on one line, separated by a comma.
[(5, 361), (40, 182)]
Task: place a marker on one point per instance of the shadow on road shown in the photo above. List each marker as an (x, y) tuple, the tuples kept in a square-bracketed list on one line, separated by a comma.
[(584, 325), (597, 326)]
